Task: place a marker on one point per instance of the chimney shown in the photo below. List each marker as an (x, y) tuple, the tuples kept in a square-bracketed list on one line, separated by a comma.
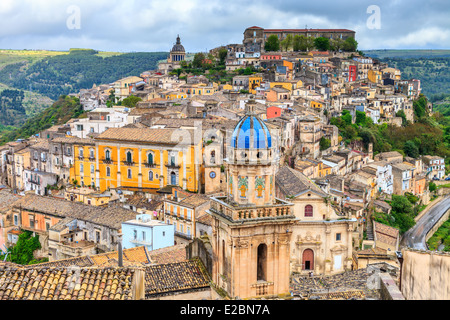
[(120, 254)]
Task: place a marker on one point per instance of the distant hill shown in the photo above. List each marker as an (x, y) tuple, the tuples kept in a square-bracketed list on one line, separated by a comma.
[(381, 54), (61, 111), (57, 74), (431, 67)]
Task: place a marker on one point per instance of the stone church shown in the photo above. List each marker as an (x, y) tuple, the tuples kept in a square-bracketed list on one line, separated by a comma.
[(271, 222)]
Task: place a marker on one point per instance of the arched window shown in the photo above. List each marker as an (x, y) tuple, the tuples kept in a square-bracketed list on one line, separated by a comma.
[(150, 176), (150, 158), (261, 271), (308, 211), (81, 152), (108, 171), (129, 157), (129, 174), (108, 155)]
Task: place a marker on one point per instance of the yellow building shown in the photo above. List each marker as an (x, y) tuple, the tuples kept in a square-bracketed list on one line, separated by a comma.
[(375, 76), (23, 161), (199, 89), (122, 86), (316, 104), (253, 83), (289, 85), (82, 173), (87, 196), (172, 95), (143, 159)]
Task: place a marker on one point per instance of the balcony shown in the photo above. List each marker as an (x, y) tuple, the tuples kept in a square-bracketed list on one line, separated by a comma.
[(107, 161), (281, 209), (150, 165), (184, 235), (91, 158), (128, 164), (172, 165), (140, 242), (80, 157)]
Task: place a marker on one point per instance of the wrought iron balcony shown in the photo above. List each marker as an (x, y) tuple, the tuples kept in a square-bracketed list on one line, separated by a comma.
[(172, 165)]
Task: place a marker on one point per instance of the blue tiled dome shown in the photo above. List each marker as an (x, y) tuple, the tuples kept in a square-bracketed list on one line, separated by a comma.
[(251, 129)]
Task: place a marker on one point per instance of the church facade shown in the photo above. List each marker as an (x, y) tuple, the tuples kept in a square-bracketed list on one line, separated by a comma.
[(176, 56), (272, 221)]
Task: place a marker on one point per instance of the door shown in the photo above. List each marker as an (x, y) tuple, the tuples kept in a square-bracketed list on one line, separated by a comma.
[(173, 179), (308, 259), (337, 262)]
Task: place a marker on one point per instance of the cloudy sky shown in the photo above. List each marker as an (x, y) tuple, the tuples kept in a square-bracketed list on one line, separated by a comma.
[(152, 25)]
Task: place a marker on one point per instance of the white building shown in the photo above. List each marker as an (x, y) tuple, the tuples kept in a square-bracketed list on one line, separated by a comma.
[(99, 120)]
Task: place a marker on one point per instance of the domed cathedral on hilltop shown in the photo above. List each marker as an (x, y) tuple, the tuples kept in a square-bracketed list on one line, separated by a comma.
[(272, 221), (177, 54)]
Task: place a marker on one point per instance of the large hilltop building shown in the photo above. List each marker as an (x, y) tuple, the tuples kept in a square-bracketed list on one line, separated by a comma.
[(255, 37), (177, 54)]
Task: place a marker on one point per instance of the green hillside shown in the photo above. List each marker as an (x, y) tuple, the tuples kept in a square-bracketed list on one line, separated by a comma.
[(62, 74), (64, 109)]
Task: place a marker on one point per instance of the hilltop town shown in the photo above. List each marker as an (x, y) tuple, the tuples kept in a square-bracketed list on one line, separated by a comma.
[(246, 172)]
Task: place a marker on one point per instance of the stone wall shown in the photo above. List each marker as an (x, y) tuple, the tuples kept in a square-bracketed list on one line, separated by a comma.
[(202, 249), (389, 289), (425, 275)]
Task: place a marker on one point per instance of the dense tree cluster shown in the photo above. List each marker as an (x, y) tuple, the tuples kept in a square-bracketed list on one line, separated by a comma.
[(64, 109)]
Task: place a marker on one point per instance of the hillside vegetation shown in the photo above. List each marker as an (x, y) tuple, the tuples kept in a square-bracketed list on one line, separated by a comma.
[(63, 74), (64, 109)]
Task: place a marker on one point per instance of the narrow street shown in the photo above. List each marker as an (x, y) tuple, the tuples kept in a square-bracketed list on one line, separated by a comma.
[(415, 237)]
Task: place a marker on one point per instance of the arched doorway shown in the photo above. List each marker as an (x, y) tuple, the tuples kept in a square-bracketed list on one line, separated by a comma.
[(262, 263), (308, 259), (173, 179)]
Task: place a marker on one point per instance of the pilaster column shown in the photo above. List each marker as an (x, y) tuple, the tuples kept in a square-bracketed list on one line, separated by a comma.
[(185, 177), (140, 168), (97, 171), (119, 174)]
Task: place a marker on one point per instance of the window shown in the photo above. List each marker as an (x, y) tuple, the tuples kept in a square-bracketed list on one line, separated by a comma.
[(338, 237), (129, 157), (143, 236), (308, 211), (188, 231), (150, 158), (81, 152), (81, 168), (150, 176), (135, 234), (91, 153), (108, 155), (108, 171), (164, 233), (47, 226), (16, 220), (92, 168), (129, 174)]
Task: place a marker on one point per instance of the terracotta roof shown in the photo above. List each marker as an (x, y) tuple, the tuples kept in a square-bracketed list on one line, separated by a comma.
[(164, 136), (107, 216), (136, 255), (171, 254), (385, 234), (43, 283), (133, 256), (292, 182), (175, 277), (74, 140)]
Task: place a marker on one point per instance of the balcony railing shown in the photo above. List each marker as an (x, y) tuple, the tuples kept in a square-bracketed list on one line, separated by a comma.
[(81, 157), (150, 165), (128, 164), (281, 209), (91, 158), (172, 165), (107, 161)]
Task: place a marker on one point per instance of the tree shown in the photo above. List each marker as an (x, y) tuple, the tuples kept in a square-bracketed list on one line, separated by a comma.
[(222, 56), (131, 101), (402, 115), (411, 149), (350, 44), (272, 43), (336, 44), (287, 42), (322, 43), (432, 186), (22, 251), (360, 118), (324, 143), (198, 60)]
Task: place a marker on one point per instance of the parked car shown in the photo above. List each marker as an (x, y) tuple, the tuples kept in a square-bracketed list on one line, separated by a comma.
[(448, 178), (435, 178)]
